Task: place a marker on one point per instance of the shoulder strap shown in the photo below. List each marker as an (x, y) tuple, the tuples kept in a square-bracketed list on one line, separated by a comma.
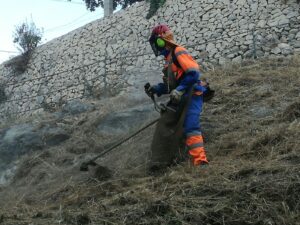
[(172, 83), (174, 59)]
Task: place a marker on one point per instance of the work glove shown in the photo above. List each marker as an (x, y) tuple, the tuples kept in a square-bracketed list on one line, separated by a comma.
[(204, 83), (208, 94), (176, 95), (149, 90)]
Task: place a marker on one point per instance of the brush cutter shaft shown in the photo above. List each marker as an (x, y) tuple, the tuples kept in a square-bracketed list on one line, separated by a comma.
[(84, 165)]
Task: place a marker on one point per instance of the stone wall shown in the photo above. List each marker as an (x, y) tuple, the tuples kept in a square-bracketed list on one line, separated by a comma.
[(112, 55)]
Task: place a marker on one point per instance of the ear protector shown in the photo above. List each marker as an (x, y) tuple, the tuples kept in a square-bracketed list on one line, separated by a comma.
[(161, 43)]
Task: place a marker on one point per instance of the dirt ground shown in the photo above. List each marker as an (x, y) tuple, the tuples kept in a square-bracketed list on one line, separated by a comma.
[(251, 130)]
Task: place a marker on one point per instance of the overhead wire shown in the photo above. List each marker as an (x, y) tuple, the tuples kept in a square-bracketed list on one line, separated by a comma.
[(67, 1), (118, 58), (75, 22), (7, 51), (70, 87), (97, 61), (115, 60), (142, 54)]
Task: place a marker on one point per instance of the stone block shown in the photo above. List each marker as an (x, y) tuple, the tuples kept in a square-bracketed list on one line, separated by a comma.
[(182, 7), (285, 48), (276, 50), (292, 14), (283, 20), (237, 59)]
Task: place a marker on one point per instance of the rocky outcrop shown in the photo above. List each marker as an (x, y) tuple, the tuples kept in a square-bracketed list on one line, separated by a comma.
[(24, 138), (118, 124)]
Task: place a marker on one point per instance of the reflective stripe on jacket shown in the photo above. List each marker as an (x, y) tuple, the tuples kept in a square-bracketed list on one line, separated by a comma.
[(186, 71)]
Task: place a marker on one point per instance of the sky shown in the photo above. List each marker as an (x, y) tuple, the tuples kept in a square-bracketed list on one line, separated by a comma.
[(55, 17)]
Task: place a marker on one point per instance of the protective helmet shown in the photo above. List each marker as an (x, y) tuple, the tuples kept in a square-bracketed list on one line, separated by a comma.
[(159, 36)]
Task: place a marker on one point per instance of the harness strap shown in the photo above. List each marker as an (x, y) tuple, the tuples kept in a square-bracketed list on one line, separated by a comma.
[(174, 58), (171, 76)]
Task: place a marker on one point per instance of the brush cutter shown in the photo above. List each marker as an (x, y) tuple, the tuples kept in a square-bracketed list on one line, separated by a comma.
[(161, 108)]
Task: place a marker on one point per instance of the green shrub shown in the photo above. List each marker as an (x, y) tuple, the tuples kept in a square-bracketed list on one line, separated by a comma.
[(27, 36)]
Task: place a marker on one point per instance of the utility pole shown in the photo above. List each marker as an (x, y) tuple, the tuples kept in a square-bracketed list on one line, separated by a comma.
[(108, 7)]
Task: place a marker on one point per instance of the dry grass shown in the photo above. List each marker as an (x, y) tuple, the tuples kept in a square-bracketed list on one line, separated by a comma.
[(251, 128)]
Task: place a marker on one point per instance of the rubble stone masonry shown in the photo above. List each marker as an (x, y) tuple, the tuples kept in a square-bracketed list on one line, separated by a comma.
[(112, 55)]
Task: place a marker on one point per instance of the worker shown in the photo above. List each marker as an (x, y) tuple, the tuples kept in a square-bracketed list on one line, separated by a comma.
[(181, 80)]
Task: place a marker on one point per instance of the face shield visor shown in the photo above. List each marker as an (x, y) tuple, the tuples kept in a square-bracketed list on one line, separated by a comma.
[(156, 49)]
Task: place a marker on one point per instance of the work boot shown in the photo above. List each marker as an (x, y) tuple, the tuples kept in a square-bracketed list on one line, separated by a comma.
[(198, 156), (194, 144)]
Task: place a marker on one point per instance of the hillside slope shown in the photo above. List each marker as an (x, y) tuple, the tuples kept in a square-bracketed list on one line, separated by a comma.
[(251, 129)]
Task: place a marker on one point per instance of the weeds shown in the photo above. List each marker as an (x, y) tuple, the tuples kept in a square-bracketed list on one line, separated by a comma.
[(253, 176)]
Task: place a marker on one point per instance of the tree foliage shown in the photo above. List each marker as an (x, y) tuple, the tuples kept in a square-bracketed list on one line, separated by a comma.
[(154, 5), (93, 4), (27, 36)]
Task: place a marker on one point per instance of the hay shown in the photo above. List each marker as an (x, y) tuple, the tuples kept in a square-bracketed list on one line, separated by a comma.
[(251, 130)]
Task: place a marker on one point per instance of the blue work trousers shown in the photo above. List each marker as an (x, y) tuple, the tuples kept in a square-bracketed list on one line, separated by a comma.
[(192, 117)]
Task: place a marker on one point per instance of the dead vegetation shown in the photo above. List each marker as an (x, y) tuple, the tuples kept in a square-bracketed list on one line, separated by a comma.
[(251, 129)]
